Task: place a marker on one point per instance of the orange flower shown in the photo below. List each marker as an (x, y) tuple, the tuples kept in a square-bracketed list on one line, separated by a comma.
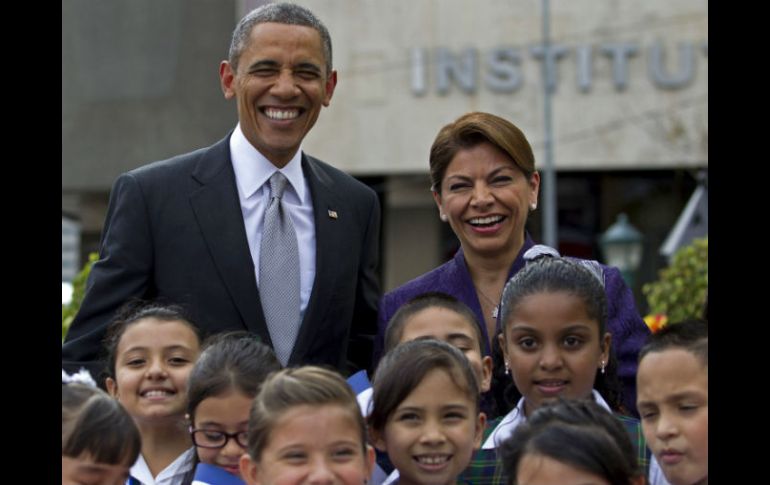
[(656, 321)]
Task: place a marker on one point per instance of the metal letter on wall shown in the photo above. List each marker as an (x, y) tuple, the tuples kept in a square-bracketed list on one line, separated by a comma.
[(584, 67), (619, 53), (678, 79), (463, 70), (504, 73), (549, 56), (419, 74)]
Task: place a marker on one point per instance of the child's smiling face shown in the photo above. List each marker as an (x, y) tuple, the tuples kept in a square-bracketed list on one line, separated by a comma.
[(431, 435), (312, 444), (153, 362)]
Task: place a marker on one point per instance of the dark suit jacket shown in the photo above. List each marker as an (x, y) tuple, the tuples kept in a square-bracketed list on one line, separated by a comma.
[(174, 230)]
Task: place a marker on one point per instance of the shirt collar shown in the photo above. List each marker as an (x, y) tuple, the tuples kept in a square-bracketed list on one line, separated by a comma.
[(516, 417), (252, 169), (141, 471)]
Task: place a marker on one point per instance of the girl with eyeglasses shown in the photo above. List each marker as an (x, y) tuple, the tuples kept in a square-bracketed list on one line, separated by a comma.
[(222, 386)]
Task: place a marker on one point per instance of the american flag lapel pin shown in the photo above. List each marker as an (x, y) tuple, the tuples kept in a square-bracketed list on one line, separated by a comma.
[(332, 214)]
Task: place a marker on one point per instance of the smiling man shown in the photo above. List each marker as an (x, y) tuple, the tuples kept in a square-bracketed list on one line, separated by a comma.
[(251, 232)]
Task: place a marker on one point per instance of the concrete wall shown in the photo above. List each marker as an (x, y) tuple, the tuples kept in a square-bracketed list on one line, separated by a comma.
[(376, 124), (140, 83)]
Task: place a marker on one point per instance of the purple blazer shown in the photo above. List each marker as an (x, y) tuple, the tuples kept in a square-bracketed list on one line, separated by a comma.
[(629, 332)]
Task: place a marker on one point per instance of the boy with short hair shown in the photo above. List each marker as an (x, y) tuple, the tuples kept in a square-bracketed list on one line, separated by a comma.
[(672, 398), (443, 317)]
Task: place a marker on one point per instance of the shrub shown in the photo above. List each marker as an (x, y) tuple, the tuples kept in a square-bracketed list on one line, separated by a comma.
[(69, 310), (680, 292)]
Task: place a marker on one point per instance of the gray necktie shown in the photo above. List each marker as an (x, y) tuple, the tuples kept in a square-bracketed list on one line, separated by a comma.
[(279, 272)]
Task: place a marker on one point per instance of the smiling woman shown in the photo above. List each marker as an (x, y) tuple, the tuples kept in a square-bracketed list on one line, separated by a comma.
[(485, 185)]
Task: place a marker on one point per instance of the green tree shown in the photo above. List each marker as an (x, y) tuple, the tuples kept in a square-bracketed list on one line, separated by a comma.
[(69, 310), (681, 289)]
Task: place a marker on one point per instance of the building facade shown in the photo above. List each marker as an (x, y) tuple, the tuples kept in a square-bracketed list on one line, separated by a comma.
[(628, 94)]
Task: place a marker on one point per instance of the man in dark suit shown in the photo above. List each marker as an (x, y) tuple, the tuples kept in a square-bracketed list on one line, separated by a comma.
[(188, 229)]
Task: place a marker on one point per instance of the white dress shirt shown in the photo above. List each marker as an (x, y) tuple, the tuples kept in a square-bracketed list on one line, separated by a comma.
[(252, 171), (171, 475)]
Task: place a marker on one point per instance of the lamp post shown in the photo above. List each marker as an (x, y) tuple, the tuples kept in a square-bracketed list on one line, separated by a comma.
[(621, 244)]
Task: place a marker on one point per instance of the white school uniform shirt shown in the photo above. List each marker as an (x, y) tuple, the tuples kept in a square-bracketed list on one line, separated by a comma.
[(656, 476), (171, 475), (516, 417), (252, 172)]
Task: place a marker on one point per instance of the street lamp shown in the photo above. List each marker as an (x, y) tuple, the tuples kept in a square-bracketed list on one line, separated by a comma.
[(622, 247)]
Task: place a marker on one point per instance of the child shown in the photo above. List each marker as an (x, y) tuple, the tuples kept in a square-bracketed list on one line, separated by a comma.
[(570, 443), (442, 317), (673, 395), (306, 427), (426, 412), (151, 350), (221, 388), (445, 318), (99, 440), (555, 344)]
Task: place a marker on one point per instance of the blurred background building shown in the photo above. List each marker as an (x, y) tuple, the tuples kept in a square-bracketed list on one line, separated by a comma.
[(629, 106)]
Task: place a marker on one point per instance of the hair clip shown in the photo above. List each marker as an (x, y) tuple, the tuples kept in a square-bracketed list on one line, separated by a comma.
[(80, 377), (540, 251)]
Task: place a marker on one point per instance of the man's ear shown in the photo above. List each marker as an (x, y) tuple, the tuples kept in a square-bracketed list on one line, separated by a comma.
[(331, 83), (226, 78)]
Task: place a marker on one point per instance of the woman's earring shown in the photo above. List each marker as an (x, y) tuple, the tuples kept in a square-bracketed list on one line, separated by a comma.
[(443, 217), (533, 206), (507, 369), (604, 364)]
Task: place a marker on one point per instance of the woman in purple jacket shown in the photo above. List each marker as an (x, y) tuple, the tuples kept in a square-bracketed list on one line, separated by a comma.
[(485, 184)]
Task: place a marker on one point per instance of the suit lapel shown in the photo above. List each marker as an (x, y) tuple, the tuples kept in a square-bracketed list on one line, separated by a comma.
[(218, 212), (328, 231)]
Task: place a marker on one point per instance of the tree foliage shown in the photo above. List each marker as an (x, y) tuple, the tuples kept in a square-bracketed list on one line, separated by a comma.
[(681, 289), (69, 310)]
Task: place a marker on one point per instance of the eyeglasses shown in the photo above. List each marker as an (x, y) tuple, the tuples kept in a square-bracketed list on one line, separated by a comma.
[(209, 438)]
